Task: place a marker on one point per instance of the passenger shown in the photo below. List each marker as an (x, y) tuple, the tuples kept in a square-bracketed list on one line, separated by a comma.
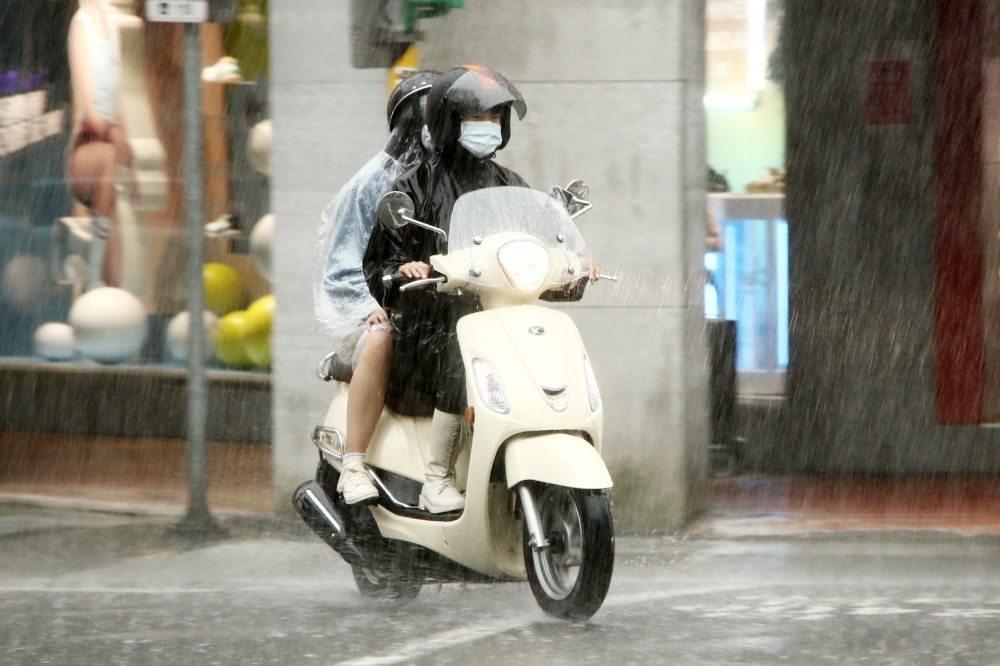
[(343, 304), (468, 118)]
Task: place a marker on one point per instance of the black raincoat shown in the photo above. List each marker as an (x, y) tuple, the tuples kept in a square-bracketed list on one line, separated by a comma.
[(427, 369)]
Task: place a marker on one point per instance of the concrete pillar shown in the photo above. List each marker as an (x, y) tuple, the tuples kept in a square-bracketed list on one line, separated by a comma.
[(329, 119), (614, 94)]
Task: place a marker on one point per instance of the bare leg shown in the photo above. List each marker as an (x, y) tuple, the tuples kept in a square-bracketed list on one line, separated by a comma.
[(367, 396), (92, 169)]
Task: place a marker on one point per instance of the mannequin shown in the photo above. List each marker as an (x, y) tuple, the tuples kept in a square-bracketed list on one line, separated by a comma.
[(100, 156)]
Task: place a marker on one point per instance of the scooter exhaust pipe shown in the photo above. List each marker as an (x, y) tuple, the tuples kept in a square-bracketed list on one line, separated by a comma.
[(316, 509)]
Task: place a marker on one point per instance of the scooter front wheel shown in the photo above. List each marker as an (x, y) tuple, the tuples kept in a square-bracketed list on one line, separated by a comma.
[(570, 578)]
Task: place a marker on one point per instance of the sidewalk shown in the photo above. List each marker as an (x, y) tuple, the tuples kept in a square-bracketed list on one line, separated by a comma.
[(775, 506), (148, 477)]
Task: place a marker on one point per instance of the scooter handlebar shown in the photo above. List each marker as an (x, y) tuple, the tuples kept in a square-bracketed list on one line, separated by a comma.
[(425, 282), (407, 283)]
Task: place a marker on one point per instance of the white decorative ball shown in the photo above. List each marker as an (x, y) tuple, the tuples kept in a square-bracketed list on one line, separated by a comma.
[(25, 283), (260, 244), (178, 331), (54, 341), (109, 324), (259, 146)]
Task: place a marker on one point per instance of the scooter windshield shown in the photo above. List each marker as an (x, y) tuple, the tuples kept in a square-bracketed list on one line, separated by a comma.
[(482, 213)]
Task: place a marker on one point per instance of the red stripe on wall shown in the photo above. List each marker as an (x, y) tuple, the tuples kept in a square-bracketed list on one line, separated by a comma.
[(958, 168)]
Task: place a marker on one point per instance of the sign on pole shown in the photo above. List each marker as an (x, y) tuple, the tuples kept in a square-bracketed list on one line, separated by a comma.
[(177, 11)]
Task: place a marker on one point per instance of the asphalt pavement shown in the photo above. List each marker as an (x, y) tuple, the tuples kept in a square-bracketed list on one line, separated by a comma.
[(84, 588)]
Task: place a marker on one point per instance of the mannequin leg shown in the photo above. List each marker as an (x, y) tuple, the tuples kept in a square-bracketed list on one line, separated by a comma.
[(367, 396), (112, 273), (99, 228), (92, 170)]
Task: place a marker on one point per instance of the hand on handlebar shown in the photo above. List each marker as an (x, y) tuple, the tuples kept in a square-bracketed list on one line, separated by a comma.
[(595, 272), (414, 275), (416, 270)]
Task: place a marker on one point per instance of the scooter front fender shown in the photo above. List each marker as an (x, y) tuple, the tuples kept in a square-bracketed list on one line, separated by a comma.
[(556, 458)]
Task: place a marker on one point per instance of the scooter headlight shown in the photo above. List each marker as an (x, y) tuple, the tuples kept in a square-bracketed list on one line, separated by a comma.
[(491, 390), (525, 264), (595, 395)]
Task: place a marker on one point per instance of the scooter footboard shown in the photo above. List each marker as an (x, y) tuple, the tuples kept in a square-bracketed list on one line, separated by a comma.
[(556, 458)]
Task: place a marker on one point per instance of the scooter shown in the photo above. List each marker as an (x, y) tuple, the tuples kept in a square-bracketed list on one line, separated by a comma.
[(530, 465)]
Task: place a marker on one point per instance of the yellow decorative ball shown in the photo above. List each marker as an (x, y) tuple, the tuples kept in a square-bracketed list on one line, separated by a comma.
[(259, 316), (230, 340), (223, 288)]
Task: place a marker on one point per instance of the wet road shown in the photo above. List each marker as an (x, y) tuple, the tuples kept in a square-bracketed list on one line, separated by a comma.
[(125, 594)]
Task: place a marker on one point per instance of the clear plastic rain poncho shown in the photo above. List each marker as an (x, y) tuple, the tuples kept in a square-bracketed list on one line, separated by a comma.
[(341, 298)]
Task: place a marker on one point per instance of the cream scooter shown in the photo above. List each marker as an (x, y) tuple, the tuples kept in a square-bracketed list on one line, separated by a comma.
[(530, 463)]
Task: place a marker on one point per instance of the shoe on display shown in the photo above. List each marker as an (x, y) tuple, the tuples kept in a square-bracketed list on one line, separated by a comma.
[(773, 182), (227, 70), (356, 486)]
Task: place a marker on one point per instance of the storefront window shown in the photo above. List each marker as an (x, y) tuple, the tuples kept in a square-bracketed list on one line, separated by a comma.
[(745, 121), (92, 202)]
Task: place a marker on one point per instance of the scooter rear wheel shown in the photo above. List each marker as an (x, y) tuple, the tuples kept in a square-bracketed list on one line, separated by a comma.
[(571, 577), (385, 584)]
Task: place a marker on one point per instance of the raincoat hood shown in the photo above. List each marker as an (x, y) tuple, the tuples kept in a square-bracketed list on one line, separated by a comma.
[(468, 91)]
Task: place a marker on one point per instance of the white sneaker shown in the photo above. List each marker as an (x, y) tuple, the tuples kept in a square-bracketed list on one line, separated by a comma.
[(356, 486), (440, 495)]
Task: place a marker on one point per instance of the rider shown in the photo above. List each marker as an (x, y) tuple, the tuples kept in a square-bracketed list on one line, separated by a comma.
[(343, 304), (468, 118)]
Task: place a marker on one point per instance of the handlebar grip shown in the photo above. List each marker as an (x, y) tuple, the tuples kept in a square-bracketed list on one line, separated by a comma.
[(395, 278)]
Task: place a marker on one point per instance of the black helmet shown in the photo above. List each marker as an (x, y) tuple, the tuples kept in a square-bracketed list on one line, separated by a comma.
[(409, 88), (468, 91)]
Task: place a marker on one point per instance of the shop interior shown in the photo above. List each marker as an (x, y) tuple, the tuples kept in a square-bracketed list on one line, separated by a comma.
[(747, 254), (108, 308)]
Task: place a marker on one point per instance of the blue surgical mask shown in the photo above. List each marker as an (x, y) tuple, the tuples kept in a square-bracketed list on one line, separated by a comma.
[(480, 137)]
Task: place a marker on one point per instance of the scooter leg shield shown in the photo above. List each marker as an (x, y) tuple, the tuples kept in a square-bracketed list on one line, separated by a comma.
[(314, 506)]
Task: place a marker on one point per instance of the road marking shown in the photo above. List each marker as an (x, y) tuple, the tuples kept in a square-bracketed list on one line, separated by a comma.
[(435, 642), (475, 632), (642, 597)]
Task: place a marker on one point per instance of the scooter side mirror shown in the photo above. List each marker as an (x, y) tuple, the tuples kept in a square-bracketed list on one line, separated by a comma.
[(579, 189), (393, 210), (573, 197)]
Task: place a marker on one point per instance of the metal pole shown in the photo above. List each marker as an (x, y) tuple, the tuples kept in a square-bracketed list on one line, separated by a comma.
[(198, 521)]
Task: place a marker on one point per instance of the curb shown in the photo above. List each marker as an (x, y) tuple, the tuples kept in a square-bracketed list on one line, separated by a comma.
[(139, 509)]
